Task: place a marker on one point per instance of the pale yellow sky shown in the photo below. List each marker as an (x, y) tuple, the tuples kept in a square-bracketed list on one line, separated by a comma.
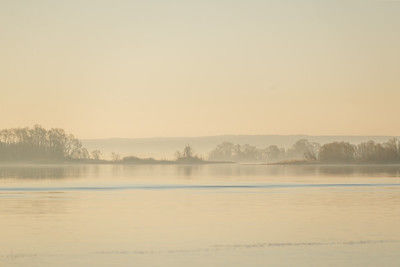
[(191, 68)]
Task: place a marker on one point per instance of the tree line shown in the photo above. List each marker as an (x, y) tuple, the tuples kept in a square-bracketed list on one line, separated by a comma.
[(38, 143), (227, 151), (55, 145), (334, 152), (367, 152)]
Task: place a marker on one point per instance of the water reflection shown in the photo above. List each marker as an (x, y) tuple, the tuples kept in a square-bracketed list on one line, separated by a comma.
[(44, 172), (194, 171)]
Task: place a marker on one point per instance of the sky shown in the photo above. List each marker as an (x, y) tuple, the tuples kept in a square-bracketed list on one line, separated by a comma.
[(157, 68)]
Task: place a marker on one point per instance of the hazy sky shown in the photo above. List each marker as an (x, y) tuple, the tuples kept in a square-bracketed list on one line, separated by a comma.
[(190, 68)]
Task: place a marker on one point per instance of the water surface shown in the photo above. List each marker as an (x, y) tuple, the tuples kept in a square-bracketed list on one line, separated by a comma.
[(211, 215)]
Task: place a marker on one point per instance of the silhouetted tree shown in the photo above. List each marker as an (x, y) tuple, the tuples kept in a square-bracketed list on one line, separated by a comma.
[(337, 152), (223, 152), (96, 154), (375, 152), (187, 152), (38, 143), (187, 156), (303, 149), (115, 156), (274, 153)]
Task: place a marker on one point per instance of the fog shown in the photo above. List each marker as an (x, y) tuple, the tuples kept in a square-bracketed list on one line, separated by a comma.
[(199, 133)]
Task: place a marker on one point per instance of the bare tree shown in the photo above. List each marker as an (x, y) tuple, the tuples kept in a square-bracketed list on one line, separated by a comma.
[(115, 157), (96, 154)]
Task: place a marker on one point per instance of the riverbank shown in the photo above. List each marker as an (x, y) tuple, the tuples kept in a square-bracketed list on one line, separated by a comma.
[(321, 163), (110, 162)]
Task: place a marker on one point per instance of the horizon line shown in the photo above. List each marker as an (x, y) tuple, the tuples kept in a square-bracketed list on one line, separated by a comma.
[(236, 135)]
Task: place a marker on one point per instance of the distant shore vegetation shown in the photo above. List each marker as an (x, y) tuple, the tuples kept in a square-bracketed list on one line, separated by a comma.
[(304, 151), (186, 156), (38, 144)]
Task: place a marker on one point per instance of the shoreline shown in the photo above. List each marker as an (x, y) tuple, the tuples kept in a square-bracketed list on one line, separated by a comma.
[(38, 163), (332, 164), (160, 162)]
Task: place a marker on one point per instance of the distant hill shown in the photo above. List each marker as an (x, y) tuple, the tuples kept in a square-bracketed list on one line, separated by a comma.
[(165, 147)]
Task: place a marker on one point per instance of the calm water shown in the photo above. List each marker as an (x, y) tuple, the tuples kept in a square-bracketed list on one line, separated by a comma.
[(213, 215)]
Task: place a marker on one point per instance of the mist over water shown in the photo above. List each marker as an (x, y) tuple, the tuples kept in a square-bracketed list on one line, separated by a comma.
[(199, 133), (200, 215)]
